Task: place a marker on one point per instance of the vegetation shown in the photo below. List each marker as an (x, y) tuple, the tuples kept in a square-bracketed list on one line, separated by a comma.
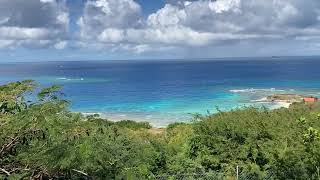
[(42, 139)]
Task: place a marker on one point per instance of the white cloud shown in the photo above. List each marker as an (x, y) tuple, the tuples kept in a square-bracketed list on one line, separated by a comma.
[(32, 23), (197, 23), (184, 25), (4, 20), (47, 1), (6, 43), (112, 35), (61, 45), (20, 33), (180, 35), (101, 15), (168, 16), (224, 6)]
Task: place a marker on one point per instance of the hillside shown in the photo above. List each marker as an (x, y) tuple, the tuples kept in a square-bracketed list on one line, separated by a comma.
[(42, 139)]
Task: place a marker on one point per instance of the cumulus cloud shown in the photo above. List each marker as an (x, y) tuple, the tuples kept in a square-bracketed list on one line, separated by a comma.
[(33, 23), (61, 45), (102, 18), (198, 23), (177, 26)]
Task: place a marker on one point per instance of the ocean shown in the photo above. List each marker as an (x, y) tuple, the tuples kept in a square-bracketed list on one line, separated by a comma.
[(167, 91)]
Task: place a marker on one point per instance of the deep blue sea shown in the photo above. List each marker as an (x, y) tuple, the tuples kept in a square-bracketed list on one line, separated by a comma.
[(162, 92)]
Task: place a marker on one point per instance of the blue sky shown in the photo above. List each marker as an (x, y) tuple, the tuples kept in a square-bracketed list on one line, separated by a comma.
[(46, 30)]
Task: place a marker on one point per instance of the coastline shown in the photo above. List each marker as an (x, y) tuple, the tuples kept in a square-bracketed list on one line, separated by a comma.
[(158, 122), (276, 104), (155, 120), (283, 104)]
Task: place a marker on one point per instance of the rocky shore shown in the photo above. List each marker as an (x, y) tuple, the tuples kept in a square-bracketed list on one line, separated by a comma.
[(285, 100), (288, 98)]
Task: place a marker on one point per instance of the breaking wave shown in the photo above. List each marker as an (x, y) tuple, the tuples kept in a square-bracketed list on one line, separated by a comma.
[(252, 90), (69, 79)]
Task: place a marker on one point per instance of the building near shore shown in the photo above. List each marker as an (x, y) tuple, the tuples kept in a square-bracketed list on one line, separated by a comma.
[(310, 99)]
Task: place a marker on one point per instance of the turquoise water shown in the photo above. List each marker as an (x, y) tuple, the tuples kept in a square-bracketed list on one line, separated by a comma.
[(163, 92)]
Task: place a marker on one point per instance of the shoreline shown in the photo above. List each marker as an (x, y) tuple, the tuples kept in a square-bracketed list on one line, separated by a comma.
[(154, 120), (282, 104), (163, 122)]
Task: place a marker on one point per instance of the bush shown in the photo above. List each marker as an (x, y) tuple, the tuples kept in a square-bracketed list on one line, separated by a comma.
[(43, 139)]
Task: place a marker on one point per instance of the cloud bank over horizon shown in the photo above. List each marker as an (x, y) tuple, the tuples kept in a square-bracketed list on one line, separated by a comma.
[(33, 23), (196, 28)]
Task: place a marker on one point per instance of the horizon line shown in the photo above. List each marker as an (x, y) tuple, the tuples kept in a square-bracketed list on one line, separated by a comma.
[(273, 57)]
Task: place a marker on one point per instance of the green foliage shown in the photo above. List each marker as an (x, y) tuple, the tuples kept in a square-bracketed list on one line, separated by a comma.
[(259, 140), (311, 135), (302, 120), (133, 124), (43, 139), (46, 140), (52, 92), (12, 96)]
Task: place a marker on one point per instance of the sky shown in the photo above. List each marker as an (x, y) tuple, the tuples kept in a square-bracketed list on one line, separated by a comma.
[(54, 30)]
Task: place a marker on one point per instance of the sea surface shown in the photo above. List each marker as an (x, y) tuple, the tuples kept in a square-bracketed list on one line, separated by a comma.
[(166, 91)]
